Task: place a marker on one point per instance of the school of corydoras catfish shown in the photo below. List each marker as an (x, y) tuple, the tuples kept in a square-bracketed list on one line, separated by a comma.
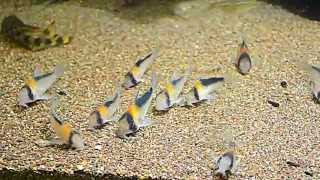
[(135, 117)]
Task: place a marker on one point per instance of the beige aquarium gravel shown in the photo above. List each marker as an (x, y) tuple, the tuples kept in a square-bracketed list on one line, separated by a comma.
[(271, 142)]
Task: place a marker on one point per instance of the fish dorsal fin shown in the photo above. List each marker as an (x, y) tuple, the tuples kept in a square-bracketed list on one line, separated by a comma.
[(37, 71), (115, 95), (137, 95), (175, 76)]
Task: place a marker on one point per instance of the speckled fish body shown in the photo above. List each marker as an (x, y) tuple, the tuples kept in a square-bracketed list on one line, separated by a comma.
[(203, 89), (135, 118), (36, 86), (31, 37), (170, 95), (134, 76), (243, 60), (225, 164), (64, 130), (105, 112)]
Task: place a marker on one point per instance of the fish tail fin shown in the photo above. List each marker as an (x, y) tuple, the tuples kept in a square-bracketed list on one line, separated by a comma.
[(304, 66), (59, 70), (155, 53), (154, 80), (189, 70)]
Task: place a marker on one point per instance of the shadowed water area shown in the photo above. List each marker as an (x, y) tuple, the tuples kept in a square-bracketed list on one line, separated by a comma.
[(270, 112)]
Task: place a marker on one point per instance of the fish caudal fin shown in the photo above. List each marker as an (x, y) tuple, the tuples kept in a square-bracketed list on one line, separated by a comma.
[(145, 122), (155, 53), (154, 80), (59, 70)]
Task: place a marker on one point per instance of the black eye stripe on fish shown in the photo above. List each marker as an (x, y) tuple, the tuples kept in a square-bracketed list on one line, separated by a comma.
[(99, 119), (209, 81), (132, 126), (132, 79), (144, 98), (140, 61), (196, 94), (167, 98), (70, 138), (29, 92)]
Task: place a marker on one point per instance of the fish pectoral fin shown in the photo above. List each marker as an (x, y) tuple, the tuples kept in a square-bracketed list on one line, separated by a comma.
[(209, 98), (145, 122), (44, 97), (37, 71), (55, 141), (179, 101), (114, 118), (42, 143)]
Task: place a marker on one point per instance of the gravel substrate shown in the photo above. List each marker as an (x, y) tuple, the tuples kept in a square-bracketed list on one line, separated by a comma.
[(183, 142)]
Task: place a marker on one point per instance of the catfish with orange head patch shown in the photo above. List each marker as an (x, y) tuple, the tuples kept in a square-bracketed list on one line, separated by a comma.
[(171, 94), (135, 117), (36, 86), (243, 61), (105, 112), (203, 90), (134, 76), (64, 131)]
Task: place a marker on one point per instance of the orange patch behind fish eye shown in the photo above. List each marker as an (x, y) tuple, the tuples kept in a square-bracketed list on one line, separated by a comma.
[(31, 83), (135, 71), (103, 110), (243, 50), (198, 86), (170, 89), (63, 131), (133, 110)]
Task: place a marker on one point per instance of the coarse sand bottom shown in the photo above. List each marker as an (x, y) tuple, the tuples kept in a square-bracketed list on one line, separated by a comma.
[(182, 143)]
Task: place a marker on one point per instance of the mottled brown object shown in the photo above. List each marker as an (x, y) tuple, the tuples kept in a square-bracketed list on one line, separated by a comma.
[(183, 142)]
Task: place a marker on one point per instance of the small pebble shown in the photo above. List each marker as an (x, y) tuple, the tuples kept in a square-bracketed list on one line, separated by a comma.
[(274, 104), (284, 84), (80, 167), (290, 163), (62, 93), (308, 173), (98, 147)]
